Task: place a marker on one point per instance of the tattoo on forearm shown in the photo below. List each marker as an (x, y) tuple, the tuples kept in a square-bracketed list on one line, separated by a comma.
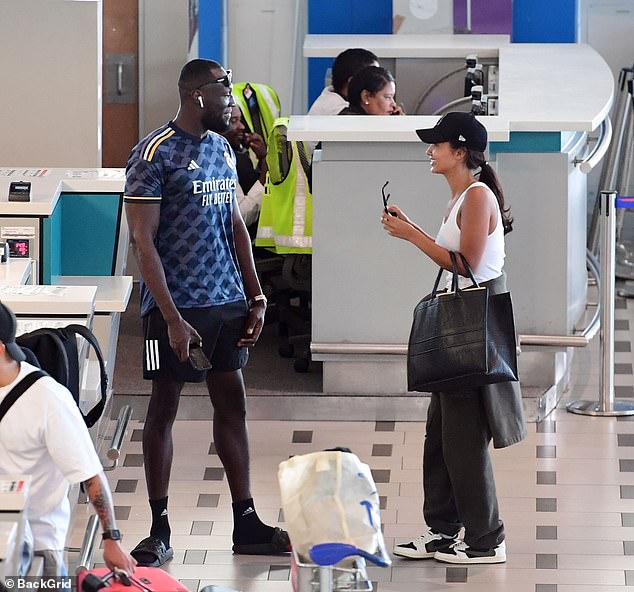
[(101, 502)]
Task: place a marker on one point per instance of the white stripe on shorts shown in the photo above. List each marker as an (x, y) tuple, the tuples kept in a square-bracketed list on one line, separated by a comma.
[(152, 354)]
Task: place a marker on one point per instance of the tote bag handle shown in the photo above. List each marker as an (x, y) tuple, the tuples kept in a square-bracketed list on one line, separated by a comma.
[(455, 274)]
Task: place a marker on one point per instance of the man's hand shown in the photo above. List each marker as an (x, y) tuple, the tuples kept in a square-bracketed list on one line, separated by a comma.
[(181, 334), (253, 328), (114, 555), (256, 143)]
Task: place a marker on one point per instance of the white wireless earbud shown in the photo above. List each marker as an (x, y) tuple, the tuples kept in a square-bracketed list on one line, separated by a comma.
[(200, 102)]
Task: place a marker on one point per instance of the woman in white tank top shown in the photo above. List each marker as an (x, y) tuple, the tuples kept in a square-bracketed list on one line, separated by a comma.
[(476, 218), (458, 482)]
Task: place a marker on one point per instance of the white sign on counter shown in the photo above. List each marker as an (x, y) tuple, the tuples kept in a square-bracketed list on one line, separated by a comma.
[(49, 291), (24, 172), (17, 232), (96, 174)]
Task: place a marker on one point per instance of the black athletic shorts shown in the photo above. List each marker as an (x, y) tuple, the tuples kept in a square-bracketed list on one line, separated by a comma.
[(220, 328)]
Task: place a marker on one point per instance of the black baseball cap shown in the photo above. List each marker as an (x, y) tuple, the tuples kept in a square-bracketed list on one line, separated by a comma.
[(459, 127), (8, 325)]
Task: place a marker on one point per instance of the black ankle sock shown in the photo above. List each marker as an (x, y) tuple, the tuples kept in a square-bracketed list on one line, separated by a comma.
[(247, 526), (160, 523)]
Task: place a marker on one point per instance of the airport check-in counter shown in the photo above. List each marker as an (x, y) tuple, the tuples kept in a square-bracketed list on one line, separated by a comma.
[(73, 231), (67, 241), (14, 493), (366, 284), (56, 306)]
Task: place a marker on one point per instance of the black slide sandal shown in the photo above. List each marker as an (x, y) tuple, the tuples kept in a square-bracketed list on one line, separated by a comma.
[(279, 543), (151, 552)]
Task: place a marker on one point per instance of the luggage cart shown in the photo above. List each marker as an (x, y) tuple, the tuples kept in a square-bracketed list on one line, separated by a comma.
[(335, 567)]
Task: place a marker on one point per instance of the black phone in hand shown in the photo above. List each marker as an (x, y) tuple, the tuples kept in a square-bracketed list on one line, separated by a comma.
[(197, 357)]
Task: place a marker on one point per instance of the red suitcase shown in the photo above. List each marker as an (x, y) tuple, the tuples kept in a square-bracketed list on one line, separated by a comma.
[(144, 579)]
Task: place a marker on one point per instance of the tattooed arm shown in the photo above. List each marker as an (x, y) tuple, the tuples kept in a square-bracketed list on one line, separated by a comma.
[(114, 554)]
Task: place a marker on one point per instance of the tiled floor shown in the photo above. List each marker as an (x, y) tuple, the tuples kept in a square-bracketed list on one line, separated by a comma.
[(566, 496)]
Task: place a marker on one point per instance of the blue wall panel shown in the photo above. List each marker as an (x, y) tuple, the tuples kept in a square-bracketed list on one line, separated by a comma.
[(210, 20), (544, 21), (371, 17), (331, 17), (51, 247)]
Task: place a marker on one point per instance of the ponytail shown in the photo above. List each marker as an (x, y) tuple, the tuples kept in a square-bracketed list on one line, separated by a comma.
[(476, 160), (490, 179), (488, 176)]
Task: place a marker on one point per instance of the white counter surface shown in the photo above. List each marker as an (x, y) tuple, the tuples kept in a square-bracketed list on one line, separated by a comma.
[(554, 87), (543, 87), (49, 300), (15, 272), (113, 292), (406, 46), (47, 185), (354, 128)]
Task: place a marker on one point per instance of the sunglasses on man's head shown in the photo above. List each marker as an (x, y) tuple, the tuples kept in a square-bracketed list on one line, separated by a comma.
[(224, 80)]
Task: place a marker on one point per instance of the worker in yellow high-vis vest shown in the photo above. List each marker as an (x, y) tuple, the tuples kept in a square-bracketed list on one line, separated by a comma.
[(286, 214), (260, 106)]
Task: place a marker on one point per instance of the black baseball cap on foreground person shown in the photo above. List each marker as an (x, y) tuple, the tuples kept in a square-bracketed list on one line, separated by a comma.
[(458, 127), (8, 326)]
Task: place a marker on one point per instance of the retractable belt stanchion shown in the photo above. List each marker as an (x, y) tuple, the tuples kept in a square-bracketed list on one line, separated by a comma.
[(606, 406)]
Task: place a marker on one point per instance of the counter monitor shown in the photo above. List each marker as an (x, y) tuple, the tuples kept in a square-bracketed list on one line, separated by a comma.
[(20, 191), (19, 248)]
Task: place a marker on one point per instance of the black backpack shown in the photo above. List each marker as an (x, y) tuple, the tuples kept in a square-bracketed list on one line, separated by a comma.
[(55, 351)]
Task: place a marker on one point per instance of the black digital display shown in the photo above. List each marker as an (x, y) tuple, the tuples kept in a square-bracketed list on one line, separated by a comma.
[(19, 248), (20, 191)]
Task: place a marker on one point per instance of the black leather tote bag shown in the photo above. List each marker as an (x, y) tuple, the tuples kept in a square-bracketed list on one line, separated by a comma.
[(461, 339)]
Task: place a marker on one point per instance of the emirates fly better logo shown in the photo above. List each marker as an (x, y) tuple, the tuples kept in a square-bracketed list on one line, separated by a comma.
[(215, 191)]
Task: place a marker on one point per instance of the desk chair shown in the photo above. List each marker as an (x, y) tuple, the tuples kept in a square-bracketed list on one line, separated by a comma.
[(285, 228)]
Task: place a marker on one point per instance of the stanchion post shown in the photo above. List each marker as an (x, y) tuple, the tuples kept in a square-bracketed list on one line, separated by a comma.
[(607, 405)]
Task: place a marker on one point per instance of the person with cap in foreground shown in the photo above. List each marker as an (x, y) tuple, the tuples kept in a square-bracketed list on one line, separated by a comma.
[(458, 481), (42, 434)]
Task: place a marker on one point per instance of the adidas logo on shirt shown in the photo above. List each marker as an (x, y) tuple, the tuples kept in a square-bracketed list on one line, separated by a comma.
[(192, 165)]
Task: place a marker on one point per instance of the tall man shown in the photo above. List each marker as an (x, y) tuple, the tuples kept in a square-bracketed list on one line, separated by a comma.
[(199, 288)]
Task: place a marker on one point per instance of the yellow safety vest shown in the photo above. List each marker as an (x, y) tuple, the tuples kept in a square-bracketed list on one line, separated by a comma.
[(268, 106), (286, 214)]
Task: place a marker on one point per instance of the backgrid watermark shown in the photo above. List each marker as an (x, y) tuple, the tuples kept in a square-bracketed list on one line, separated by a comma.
[(39, 582)]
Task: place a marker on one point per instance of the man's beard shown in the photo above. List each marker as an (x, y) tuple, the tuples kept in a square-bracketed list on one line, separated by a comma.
[(216, 123)]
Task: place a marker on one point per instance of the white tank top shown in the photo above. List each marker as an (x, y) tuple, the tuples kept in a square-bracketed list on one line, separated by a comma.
[(492, 261)]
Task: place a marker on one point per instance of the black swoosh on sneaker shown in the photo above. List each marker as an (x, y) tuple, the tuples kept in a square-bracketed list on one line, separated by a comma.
[(471, 552), (439, 545)]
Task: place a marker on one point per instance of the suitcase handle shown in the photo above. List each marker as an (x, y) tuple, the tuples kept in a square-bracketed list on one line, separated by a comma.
[(92, 583)]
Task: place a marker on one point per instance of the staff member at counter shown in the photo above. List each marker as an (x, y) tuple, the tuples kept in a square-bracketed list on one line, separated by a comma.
[(334, 98), (371, 92)]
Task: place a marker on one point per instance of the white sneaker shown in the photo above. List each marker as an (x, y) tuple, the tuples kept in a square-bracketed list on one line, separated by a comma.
[(425, 546), (460, 552)]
